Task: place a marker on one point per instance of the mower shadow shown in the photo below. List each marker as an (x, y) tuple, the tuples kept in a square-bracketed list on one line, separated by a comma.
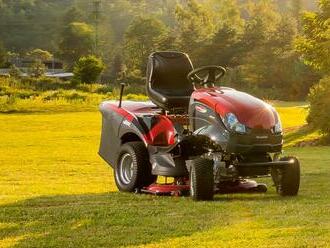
[(114, 219)]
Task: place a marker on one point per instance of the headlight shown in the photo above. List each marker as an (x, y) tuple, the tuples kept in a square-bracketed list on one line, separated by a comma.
[(278, 126), (233, 124)]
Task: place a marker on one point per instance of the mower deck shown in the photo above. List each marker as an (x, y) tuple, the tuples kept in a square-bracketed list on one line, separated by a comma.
[(243, 186), (167, 189)]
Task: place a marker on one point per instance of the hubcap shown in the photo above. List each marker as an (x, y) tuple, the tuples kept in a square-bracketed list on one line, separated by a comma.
[(126, 168)]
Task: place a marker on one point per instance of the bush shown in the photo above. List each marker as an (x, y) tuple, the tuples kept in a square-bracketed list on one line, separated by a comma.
[(88, 69), (133, 77), (319, 112), (38, 69), (14, 71)]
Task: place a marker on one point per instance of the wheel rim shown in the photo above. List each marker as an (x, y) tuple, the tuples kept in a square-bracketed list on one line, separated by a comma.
[(126, 168)]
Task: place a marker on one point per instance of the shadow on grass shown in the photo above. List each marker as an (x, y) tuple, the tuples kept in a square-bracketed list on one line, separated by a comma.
[(114, 219), (298, 133)]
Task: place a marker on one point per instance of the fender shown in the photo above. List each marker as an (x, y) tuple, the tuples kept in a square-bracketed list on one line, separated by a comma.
[(118, 123)]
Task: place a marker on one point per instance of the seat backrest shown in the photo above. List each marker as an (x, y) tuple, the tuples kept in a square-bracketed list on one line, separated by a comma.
[(167, 73)]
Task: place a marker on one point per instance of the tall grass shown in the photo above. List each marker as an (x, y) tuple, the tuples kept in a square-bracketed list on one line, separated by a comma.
[(45, 94)]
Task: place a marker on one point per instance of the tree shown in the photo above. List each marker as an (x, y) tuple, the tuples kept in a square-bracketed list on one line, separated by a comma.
[(39, 55), (296, 10), (118, 67), (314, 44), (269, 60), (38, 69), (256, 46), (3, 55), (77, 41), (88, 69), (14, 71), (224, 48), (73, 14), (194, 27), (320, 106), (226, 13), (261, 23), (31, 23), (141, 38)]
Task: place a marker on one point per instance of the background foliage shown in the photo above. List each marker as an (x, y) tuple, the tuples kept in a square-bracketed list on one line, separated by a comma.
[(255, 40)]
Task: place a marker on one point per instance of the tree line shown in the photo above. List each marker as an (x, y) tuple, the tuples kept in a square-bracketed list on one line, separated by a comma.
[(263, 44)]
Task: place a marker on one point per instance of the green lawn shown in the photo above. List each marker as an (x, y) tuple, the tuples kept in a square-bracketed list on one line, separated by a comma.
[(56, 192)]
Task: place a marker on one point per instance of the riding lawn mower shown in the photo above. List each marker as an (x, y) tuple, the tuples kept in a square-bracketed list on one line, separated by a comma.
[(207, 139)]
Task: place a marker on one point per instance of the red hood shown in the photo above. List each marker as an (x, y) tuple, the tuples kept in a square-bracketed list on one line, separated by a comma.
[(249, 110)]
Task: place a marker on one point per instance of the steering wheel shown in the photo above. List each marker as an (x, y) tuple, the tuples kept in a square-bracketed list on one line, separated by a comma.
[(206, 75)]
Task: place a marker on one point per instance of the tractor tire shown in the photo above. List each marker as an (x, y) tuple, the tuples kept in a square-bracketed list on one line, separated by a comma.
[(133, 169), (201, 180), (287, 179)]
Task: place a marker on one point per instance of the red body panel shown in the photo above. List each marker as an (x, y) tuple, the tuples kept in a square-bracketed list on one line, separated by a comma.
[(161, 132), (130, 108), (249, 110)]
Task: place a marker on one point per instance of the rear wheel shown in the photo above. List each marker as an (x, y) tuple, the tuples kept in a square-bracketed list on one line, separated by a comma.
[(133, 170), (201, 180), (287, 179)]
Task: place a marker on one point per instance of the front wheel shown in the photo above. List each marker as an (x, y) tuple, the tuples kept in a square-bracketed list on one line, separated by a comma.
[(133, 169), (287, 179), (201, 180)]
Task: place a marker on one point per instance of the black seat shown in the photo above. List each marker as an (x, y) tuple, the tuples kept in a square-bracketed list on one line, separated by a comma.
[(167, 83)]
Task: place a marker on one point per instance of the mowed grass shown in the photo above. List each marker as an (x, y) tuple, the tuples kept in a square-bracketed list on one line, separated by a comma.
[(56, 192)]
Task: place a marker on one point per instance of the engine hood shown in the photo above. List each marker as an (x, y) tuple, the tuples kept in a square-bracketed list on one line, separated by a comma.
[(249, 110)]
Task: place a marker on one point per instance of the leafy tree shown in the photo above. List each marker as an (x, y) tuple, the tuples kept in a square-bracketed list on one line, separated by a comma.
[(168, 41), (224, 48), (320, 106), (118, 67), (14, 71), (261, 23), (39, 55), (226, 13), (256, 46), (3, 55), (195, 27), (296, 10), (314, 44), (73, 14), (270, 61), (88, 69), (77, 41), (141, 39), (31, 23), (37, 69)]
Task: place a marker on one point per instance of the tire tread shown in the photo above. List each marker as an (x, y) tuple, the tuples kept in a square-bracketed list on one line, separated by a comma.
[(203, 178)]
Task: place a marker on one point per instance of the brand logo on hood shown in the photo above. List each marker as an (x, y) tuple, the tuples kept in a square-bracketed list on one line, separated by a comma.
[(262, 137)]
